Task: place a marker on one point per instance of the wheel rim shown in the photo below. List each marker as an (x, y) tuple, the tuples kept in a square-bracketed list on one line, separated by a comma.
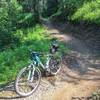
[(55, 66)]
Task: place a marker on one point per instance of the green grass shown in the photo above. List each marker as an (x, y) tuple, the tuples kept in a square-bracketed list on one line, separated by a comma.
[(11, 61)]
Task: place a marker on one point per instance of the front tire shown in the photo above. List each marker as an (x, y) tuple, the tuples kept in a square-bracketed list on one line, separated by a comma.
[(23, 86)]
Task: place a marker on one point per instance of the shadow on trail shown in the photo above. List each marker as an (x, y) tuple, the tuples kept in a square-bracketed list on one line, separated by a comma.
[(80, 68), (89, 35), (7, 92), (6, 98)]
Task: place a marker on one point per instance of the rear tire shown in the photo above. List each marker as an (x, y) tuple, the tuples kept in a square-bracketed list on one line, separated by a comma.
[(55, 65), (22, 86)]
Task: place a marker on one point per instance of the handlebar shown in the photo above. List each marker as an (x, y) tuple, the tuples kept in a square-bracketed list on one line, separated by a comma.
[(36, 53), (53, 48)]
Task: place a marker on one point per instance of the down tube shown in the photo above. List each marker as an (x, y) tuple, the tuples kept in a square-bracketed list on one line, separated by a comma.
[(38, 59)]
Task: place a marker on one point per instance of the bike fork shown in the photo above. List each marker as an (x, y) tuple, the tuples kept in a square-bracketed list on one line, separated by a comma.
[(31, 73)]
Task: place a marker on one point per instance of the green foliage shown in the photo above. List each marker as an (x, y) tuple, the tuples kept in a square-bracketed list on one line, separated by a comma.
[(52, 6), (29, 15), (13, 15), (78, 11), (26, 20), (12, 60), (5, 25), (67, 8), (96, 95), (89, 12), (70, 6)]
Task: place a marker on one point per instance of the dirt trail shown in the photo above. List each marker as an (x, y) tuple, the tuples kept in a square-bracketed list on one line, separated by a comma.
[(81, 73), (78, 78)]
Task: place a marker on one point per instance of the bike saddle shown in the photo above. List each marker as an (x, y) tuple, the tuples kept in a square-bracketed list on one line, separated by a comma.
[(54, 47)]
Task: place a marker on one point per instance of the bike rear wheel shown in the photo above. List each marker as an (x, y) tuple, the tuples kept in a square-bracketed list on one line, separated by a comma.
[(55, 65), (25, 86)]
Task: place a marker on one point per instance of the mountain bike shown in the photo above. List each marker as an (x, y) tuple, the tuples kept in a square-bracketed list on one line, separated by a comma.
[(29, 78)]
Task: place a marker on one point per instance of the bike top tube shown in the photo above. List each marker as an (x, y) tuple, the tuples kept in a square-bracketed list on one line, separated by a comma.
[(36, 58)]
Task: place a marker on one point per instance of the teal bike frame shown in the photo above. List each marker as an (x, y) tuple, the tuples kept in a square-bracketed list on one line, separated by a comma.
[(37, 62)]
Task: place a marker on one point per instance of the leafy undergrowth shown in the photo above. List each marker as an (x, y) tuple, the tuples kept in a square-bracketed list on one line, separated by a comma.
[(96, 95), (12, 60), (89, 12)]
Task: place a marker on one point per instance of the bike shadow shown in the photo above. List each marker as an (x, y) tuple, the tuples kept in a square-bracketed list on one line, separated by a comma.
[(7, 91)]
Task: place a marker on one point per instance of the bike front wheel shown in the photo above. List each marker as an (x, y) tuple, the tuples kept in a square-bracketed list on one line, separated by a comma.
[(27, 81)]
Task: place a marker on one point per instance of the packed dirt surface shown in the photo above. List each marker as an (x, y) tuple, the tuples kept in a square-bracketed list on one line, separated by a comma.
[(78, 78), (81, 70)]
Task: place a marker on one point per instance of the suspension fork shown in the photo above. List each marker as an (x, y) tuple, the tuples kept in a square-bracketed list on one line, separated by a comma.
[(31, 73)]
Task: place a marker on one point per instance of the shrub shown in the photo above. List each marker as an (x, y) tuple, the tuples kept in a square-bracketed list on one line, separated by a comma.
[(8, 20), (26, 20), (11, 61), (68, 7), (89, 12)]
